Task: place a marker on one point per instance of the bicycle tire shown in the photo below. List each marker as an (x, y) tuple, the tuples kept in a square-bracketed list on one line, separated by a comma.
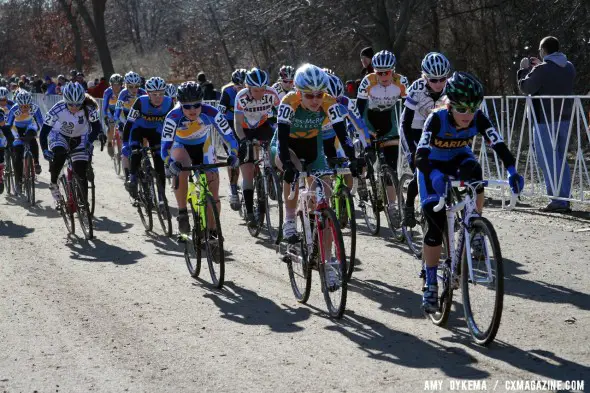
[(164, 216), (388, 173), (91, 189), (82, 209), (411, 234), (272, 180), (346, 216), (483, 335), (29, 178), (370, 208), (144, 203), (192, 246), (64, 207), (117, 156), (214, 249), (8, 172), (444, 278), (300, 268), (259, 199), (330, 221)]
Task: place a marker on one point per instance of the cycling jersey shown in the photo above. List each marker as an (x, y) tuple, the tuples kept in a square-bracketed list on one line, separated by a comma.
[(2, 137), (256, 112), (6, 107), (109, 104), (179, 131), (144, 115), (124, 103), (20, 120), (228, 98), (280, 91)]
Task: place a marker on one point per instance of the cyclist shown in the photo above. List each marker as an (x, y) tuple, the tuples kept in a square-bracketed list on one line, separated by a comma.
[(125, 100), (226, 107), (5, 103), (67, 127), (425, 94), (300, 118), (285, 83), (145, 121), (109, 103), (377, 96), (252, 107), (171, 92), (187, 140), (444, 149), (24, 120)]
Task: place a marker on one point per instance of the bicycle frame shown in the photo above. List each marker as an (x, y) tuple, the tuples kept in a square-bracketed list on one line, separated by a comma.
[(198, 198)]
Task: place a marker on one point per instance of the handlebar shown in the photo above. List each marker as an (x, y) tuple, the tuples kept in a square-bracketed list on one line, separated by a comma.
[(199, 168), (461, 183)]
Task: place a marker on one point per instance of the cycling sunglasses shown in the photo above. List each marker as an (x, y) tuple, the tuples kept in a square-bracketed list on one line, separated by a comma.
[(464, 109), (311, 96), (383, 73), (133, 86), (191, 106), (74, 105), (287, 80), (436, 80)]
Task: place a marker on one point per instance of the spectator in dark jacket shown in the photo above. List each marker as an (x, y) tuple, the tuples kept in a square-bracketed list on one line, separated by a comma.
[(366, 58), (552, 76), (50, 86), (207, 86)]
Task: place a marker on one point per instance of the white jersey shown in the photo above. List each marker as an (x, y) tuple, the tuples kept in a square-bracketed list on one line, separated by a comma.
[(280, 91), (255, 112), (381, 98), (420, 101), (69, 124)]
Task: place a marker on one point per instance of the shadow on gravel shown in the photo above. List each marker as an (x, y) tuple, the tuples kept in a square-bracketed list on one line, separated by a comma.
[(165, 245), (385, 344), (398, 301), (105, 224), (12, 230), (540, 291), (98, 251), (247, 307), (537, 361), (37, 210), (576, 215)]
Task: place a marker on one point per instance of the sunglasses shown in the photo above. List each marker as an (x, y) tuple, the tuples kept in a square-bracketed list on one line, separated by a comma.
[(4, 99), (191, 106), (75, 105), (133, 86), (311, 96), (157, 93), (287, 80), (464, 109), (435, 80), (383, 73)]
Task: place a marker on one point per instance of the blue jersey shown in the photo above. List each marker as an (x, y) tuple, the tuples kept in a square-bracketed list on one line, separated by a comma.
[(7, 106), (33, 119), (179, 129), (144, 115), (228, 98), (109, 104), (124, 103)]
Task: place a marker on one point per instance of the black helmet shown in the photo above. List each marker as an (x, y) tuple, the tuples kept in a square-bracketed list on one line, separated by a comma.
[(238, 76), (189, 92), (464, 89)]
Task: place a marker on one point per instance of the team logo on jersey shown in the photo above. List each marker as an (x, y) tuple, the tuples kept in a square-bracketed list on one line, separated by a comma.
[(451, 144)]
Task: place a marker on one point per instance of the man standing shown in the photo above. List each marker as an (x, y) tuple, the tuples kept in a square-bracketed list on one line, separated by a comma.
[(208, 90), (553, 76), (50, 86)]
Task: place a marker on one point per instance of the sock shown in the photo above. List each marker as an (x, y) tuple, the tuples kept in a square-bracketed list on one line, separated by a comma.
[(290, 214), (182, 211), (431, 278), (249, 200), (234, 188)]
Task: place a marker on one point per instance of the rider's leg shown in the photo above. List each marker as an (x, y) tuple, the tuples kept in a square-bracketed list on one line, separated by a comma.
[(110, 133), (247, 170), (391, 154), (18, 150), (80, 165), (470, 169)]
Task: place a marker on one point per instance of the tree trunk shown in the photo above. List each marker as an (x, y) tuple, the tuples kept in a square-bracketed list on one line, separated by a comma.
[(98, 31), (220, 34), (75, 31)]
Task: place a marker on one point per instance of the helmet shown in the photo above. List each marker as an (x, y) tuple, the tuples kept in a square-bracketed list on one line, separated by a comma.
[(3, 92), (171, 90), (190, 92), (384, 60), (23, 97), (74, 93), (435, 65), (335, 86), (256, 78), (116, 79), (286, 72), (328, 71), (464, 89), (132, 78), (310, 78), (238, 76), (155, 83)]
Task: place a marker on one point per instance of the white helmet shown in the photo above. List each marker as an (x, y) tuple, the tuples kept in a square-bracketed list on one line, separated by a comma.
[(171, 90), (155, 83), (335, 86), (384, 60), (310, 78), (3, 92), (74, 93), (435, 65), (132, 78), (23, 97)]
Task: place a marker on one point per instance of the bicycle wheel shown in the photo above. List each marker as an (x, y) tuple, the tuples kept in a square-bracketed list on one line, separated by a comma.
[(117, 156), (346, 218), (192, 246), (29, 179), (392, 213), (369, 205), (65, 208), (144, 202), (160, 203), (9, 173), (82, 208), (213, 239), (91, 189), (333, 267), (446, 285), (274, 206), (414, 235), (483, 294), (298, 265), (259, 205)]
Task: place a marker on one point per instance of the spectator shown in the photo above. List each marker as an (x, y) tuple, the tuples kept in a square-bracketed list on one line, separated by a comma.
[(73, 75), (552, 76), (50, 86), (80, 79), (61, 81), (366, 57), (37, 83), (207, 86), (100, 89)]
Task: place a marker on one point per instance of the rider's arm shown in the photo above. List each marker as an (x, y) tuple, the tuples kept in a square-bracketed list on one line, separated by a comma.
[(406, 126), (239, 105), (104, 110), (168, 133), (50, 120), (224, 102), (224, 129), (358, 123), (492, 137), (345, 142), (134, 113), (95, 126), (363, 95), (38, 116), (431, 126)]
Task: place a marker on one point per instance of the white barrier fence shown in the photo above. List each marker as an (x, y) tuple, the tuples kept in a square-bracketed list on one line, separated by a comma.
[(547, 138)]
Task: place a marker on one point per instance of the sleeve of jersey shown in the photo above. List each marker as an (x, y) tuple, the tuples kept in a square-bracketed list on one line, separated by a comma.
[(411, 101), (406, 126), (95, 126), (10, 121), (431, 126), (118, 108), (105, 104), (238, 107), (223, 128), (358, 123), (39, 117), (493, 138), (168, 133), (224, 102), (133, 115), (363, 91), (285, 113)]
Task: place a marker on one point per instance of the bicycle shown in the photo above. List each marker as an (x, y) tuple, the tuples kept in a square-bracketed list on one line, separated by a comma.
[(311, 252), (467, 250), (71, 185), (28, 174), (151, 194), (414, 235), (343, 204), (9, 176), (117, 147), (377, 197), (202, 234), (268, 196), (91, 185)]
